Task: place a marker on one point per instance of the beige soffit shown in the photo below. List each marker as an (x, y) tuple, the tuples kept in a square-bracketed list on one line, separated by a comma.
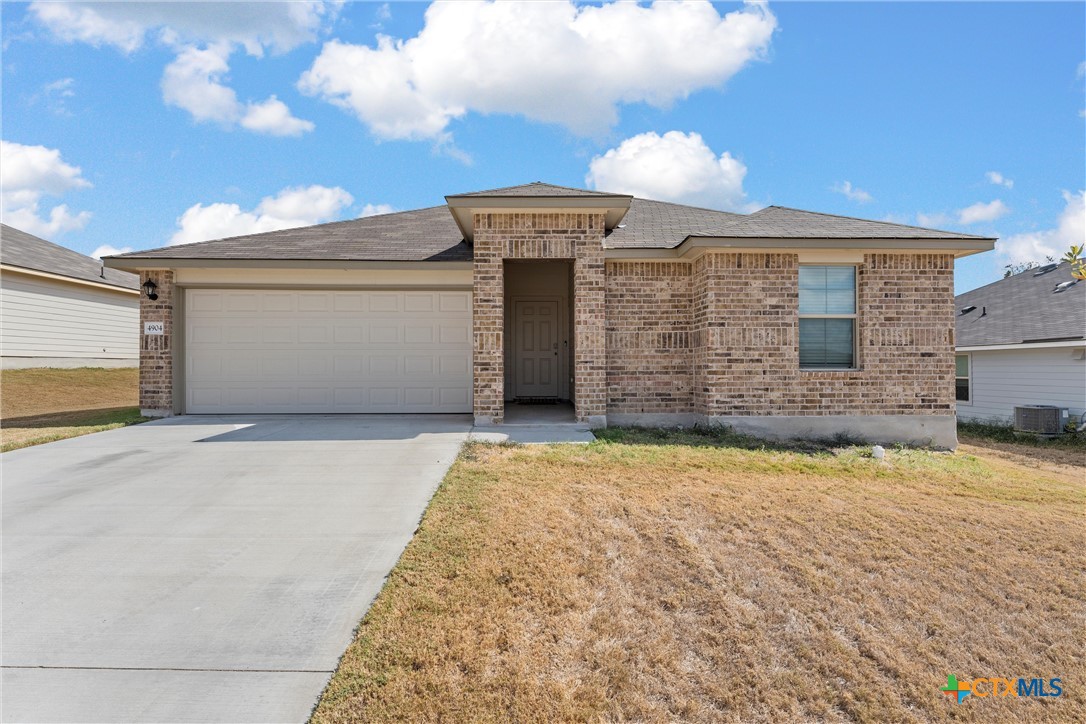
[(694, 247), (67, 279), (135, 264), (614, 207)]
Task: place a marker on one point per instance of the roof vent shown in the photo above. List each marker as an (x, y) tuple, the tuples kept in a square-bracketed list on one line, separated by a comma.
[(1041, 271), (1064, 286), (967, 310)]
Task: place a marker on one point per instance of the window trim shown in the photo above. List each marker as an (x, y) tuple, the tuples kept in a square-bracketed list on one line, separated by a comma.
[(855, 317), (968, 378)]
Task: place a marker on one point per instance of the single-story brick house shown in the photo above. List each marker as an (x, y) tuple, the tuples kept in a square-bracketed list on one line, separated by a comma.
[(59, 308), (780, 322)]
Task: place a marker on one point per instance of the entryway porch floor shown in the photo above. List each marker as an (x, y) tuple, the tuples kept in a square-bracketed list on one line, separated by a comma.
[(535, 424)]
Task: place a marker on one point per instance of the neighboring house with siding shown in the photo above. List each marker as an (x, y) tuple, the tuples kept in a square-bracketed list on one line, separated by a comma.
[(59, 308), (1022, 341), (782, 322)]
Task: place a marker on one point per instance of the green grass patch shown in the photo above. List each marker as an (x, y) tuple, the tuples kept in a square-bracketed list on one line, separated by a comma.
[(28, 431)]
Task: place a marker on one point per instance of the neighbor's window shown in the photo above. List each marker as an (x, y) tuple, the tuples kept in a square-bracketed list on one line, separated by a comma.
[(827, 317), (961, 378)]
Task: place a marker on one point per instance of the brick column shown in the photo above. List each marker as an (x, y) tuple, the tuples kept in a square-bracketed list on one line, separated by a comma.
[(488, 327), (156, 350), (590, 327)]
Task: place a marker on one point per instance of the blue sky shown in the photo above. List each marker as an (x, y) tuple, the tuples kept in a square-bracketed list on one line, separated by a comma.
[(136, 125)]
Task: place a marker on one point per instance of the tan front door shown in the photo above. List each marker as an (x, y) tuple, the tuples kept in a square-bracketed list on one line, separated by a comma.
[(536, 353)]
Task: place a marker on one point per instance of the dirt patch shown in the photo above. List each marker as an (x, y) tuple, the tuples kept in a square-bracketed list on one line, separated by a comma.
[(33, 392), (1066, 461), (43, 405), (679, 582)]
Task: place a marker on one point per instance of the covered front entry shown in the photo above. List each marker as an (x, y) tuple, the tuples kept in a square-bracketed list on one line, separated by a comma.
[(537, 331), (314, 350)]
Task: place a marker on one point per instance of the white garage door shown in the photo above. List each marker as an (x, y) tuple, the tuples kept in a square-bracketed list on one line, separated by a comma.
[(327, 351)]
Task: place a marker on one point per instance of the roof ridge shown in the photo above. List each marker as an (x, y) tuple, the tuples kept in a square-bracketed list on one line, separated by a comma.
[(485, 192), (875, 221), (276, 231), (699, 208)]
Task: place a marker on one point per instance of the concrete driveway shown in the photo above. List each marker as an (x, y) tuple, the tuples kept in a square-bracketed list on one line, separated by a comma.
[(204, 569)]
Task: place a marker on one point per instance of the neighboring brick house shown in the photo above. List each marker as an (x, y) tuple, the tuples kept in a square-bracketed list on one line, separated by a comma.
[(783, 323)]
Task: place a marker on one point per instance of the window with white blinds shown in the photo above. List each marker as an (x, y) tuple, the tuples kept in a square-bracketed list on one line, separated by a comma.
[(827, 317)]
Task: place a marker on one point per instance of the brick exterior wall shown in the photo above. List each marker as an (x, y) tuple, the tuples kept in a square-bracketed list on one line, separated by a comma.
[(738, 346), (574, 236), (156, 351), (649, 337)]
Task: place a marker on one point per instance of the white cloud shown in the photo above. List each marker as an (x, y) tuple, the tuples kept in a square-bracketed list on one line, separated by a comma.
[(981, 211), (290, 208), (853, 194), (107, 250), (674, 167), (1039, 245), (126, 25), (27, 173), (556, 62), (995, 177), (193, 82), (375, 210), (62, 87), (1080, 71), (203, 35), (273, 118)]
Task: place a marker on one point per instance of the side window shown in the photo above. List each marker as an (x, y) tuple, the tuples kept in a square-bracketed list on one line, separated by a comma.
[(827, 317), (961, 378)]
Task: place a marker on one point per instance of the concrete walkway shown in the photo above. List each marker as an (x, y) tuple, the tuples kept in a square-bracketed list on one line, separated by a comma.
[(204, 569)]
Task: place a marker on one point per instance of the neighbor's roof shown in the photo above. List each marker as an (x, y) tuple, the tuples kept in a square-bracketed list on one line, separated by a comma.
[(1023, 308), (20, 249), (433, 235)]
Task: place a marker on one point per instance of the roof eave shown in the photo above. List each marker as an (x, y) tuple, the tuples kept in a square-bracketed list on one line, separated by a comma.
[(104, 284), (693, 246), (138, 264), (463, 206)]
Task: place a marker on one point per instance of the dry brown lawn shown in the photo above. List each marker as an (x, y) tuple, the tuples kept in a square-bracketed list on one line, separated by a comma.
[(42, 405), (640, 580)]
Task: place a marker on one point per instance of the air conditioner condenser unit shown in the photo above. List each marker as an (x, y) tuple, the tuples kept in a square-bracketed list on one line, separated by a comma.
[(1041, 419)]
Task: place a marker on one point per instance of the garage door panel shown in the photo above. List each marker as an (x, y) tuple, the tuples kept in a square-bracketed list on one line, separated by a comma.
[(313, 334), (241, 302), (384, 302), (384, 334), (335, 351), (453, 302), (279, 302)]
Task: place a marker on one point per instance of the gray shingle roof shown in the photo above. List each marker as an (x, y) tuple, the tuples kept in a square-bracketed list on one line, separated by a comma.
[(18, 248), (781, 222), (661, 225), (432, 234), (1023, 308), (537, 189), (423, 235)]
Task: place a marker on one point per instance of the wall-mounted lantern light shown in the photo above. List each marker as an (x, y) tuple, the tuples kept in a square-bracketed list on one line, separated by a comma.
[(150, 287)]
